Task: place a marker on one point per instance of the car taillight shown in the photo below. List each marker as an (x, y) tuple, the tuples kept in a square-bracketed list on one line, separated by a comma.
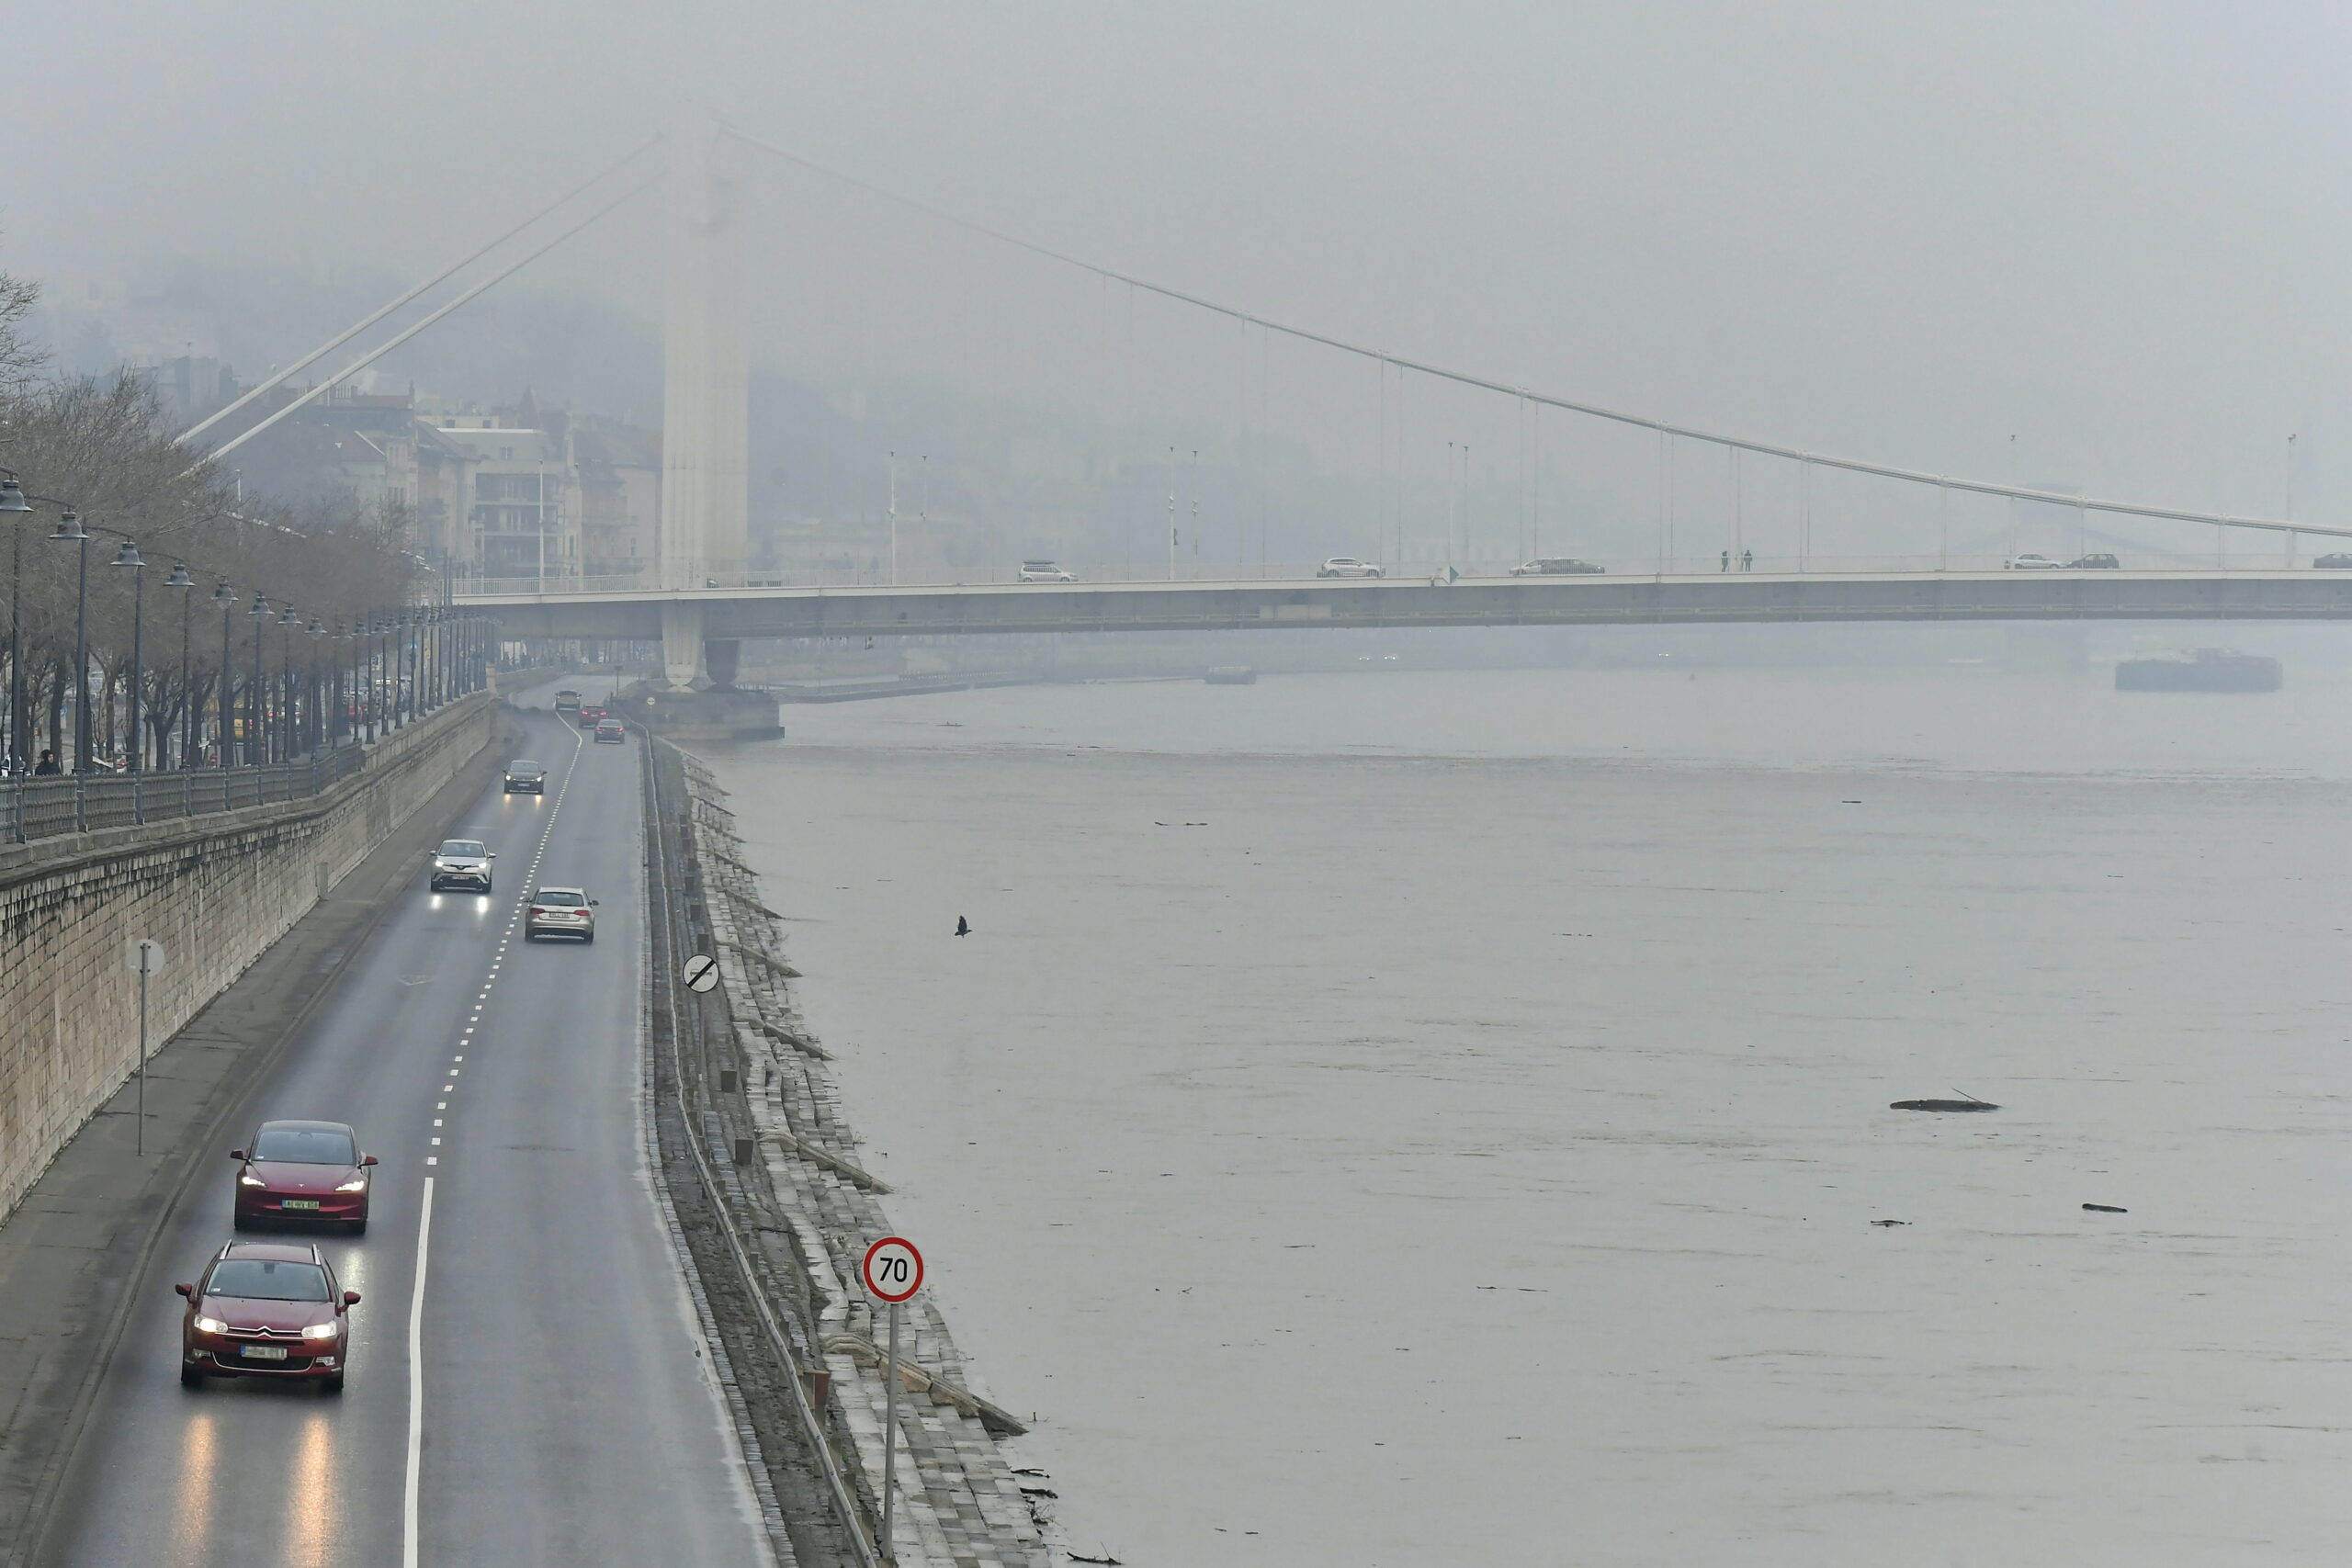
[(536, 911)]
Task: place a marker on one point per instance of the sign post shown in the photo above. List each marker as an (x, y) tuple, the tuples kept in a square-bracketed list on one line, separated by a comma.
[(893, 1272), (144, 958)]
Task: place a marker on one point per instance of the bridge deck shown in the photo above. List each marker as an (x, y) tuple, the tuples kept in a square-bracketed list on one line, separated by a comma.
[(936, 609)]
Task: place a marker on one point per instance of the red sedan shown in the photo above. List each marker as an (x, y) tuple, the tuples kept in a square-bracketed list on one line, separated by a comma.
[(266, 1309), (302, 1170)]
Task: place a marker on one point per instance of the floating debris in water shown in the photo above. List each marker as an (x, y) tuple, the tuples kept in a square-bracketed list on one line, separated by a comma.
[(2105, 1209), (1890, 1221), (1942, 1105)]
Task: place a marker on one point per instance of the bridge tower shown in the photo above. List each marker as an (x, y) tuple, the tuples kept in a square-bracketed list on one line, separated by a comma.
[(702, 536)]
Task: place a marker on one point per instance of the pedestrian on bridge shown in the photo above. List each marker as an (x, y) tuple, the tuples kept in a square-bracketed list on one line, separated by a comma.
[(47, 765), (1747, 561), (1726, 566)]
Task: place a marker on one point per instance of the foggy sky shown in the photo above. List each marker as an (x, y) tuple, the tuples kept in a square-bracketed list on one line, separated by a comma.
[(2116, 232)]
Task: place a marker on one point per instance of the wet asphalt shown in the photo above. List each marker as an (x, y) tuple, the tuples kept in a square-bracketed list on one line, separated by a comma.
[(566, 1415)]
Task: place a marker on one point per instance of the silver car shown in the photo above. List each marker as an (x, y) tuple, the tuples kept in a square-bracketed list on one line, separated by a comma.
[(1348, 566), (561, 911), (2033, 563), (1044, 571)]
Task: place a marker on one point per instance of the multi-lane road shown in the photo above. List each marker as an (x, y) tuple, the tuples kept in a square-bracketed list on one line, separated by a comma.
[(527, 1384)]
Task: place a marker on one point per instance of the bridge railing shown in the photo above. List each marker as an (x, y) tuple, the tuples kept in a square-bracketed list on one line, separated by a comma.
[(1683, 562), (46, 808)]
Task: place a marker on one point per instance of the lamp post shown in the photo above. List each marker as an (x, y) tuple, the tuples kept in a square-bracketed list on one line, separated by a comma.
[(259, 615), (128, 557), (13, 503), (286, 732), (180, 579), (312, 735), (227, 599), (69, 531), (335, 713)]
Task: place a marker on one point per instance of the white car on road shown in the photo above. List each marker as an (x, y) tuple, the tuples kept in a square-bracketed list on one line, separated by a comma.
[(1348, 566), (2033, 563), (1044, 571)]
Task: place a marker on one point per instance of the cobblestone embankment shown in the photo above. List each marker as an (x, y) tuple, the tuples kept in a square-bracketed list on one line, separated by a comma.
[(964, 1495)]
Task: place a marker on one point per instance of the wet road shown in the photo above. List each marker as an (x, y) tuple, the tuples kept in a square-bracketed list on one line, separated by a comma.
[(559, 1411)]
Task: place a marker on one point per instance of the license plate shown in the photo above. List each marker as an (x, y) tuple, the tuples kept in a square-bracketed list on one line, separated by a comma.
[(301, 1203), (262, 1352)]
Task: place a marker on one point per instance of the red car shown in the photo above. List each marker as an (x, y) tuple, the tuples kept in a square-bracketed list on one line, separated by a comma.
[(303, 1170), (266, 1309), (589, 714)]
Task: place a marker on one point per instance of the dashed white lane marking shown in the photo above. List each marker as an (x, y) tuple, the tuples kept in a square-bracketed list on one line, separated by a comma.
[(410, 1508)]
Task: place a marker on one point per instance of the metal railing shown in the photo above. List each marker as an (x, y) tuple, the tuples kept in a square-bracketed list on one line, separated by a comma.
[(45, 807)]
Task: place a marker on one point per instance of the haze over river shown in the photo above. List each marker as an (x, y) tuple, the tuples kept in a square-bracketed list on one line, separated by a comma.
[(1441, 1118)]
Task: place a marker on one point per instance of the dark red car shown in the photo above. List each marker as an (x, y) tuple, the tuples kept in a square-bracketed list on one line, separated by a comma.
[(589, 714), (303, 1170), (266, 1309)]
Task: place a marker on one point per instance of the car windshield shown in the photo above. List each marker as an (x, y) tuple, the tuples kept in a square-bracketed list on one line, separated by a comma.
[(305, 1145), (520, 766), (554, 900), (269, 1280), (461, 847)]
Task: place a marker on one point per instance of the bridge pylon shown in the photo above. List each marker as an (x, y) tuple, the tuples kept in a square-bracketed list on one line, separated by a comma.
[(703, 537)]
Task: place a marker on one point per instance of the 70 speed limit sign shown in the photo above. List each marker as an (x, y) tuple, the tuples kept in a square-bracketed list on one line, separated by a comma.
[(893, 1269)]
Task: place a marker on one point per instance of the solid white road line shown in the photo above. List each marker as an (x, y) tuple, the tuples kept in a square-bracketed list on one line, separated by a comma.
[(416, 1383)]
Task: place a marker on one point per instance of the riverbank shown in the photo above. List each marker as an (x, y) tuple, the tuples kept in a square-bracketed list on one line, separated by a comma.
[(962, 1494)]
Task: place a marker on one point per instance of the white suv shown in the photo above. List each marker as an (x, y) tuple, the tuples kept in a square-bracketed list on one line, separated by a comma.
[(1044, 571), (1348, 566)]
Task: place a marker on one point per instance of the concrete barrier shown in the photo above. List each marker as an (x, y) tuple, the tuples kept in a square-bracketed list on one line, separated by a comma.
[(216, 890)]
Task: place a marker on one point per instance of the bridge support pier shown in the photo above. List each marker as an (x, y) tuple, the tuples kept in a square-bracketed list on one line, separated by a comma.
[(682, 645)]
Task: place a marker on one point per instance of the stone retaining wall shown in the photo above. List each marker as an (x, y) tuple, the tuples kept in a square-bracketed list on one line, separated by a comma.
[(215, 890)]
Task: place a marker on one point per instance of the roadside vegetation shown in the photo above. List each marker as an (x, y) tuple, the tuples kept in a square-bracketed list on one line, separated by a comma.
[(99, 444)]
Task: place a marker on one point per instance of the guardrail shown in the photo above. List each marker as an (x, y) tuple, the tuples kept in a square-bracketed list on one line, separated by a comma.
[(45, 807)]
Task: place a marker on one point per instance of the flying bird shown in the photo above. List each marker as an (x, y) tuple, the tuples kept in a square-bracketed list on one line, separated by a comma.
[(962, 926)]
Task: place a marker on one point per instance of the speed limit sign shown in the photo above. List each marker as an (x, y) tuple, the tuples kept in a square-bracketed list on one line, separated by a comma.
[(893, 1269)]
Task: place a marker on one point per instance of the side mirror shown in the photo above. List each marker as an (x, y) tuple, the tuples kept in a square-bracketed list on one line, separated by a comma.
[(366, 1159), (595, 903), (351, 1298), (236, 1154), (491, 855), (189, 1291)]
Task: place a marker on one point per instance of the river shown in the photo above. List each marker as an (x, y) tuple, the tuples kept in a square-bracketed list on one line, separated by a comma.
[(1415, 1117)]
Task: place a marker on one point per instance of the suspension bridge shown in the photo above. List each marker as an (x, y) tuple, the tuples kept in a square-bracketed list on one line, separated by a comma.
[(700, 597)]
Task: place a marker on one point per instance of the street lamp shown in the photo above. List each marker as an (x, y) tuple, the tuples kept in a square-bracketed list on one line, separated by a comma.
[(311, 693), (69, 531), (180, 579), (258, 614), (128, 557), (286, 684), (13, 503), (226, 598)]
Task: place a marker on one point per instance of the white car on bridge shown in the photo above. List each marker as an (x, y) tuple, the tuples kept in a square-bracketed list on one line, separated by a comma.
[(1044, 571), (1348, 566), (2033, 563)]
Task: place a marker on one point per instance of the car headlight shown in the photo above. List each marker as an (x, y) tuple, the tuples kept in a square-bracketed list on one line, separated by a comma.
[(210, 1326), (320, 1331), (356, 1184), (440, 864), (247, 1179)]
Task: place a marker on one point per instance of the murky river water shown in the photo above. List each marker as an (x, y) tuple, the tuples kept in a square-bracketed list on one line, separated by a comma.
[(1418, 1119)]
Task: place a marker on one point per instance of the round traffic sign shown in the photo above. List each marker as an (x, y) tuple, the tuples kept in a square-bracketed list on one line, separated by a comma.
[(893, 1269), (702, 973), (145, 956)]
